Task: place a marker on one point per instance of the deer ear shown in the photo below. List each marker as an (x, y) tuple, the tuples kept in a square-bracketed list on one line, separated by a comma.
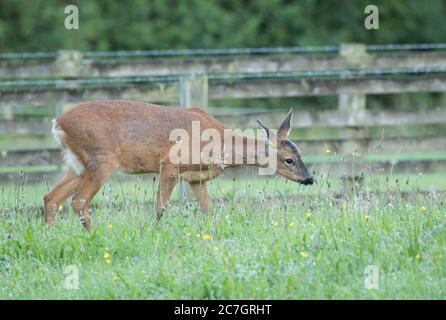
[(270, 135), (285, 127), (266, 130)]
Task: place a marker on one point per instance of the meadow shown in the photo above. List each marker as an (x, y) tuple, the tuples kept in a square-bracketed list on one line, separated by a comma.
[(265, 239)]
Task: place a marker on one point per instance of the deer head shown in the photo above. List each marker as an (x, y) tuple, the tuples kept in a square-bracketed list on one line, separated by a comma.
[(289, 158)]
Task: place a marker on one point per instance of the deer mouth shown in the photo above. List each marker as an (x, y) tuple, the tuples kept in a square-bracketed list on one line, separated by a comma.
[(306, 182)]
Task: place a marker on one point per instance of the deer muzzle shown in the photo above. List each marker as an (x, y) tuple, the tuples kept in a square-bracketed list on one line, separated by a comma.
[(307, 181)]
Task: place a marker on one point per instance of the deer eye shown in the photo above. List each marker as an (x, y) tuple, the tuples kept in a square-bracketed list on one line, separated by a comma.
[(289, 161)]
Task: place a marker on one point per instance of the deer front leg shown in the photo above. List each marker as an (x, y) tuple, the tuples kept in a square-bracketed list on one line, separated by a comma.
[(168, 180), (201, 193)]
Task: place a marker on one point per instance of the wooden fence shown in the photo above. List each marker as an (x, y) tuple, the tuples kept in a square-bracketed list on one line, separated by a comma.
[(381, 141)]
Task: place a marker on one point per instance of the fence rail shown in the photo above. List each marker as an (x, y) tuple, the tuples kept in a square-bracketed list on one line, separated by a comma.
[(75, 64), (254, 87), (199, 77)]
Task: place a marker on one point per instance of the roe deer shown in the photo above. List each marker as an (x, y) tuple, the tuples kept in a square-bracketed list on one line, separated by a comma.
[(100, 137)]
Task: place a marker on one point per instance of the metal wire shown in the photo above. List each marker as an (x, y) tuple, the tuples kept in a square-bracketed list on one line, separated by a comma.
[(221, 52), (397, 47), (27, 55), (332, 74), (86, 81), (342, 73), (209, 52)]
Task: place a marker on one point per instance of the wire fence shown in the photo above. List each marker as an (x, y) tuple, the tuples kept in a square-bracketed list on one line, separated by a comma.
[(221, 52)]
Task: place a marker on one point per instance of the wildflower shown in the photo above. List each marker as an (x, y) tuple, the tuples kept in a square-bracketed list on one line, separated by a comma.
[(366, 218), (110, 226), (304, 254), (420, 174), (8, 235), (206, 237), (60, 207), (327, 151), (106, 256), (107, 261), (216, 248), (418, 257), (308, 215), (423, 209), (291, 224)]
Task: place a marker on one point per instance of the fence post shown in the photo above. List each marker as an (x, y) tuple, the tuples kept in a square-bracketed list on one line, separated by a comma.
[(68, 64), (353, 106), (8, 112), (193, 93)]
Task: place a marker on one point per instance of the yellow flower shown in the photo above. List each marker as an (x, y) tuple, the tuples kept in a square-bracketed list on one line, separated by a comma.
[(423, 209), (206, 237), (291, 224), (106, 256), (304, 254), (327, 151), (308, 215), (216, 248), (418, 257), (107, 261), (110, 226)]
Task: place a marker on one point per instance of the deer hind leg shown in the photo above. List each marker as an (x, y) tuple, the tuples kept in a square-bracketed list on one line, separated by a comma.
[(91, 182), (168, 180), (201, 193), (56, 197)]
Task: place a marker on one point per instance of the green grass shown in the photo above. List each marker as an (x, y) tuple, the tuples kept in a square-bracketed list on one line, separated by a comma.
[(248, 186), (30, 169), (267, 240)]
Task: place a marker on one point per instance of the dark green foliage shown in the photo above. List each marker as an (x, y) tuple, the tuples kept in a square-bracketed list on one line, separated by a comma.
[(165, 24)]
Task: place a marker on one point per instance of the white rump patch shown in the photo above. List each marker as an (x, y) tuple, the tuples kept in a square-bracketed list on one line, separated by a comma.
[(69, 157), (58, 134), (72, 161)]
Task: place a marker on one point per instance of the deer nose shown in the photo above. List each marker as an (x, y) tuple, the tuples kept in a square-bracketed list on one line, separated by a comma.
[(308, 181)]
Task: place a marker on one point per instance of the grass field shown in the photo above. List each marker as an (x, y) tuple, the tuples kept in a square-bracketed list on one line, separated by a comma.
[(264, 239)]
